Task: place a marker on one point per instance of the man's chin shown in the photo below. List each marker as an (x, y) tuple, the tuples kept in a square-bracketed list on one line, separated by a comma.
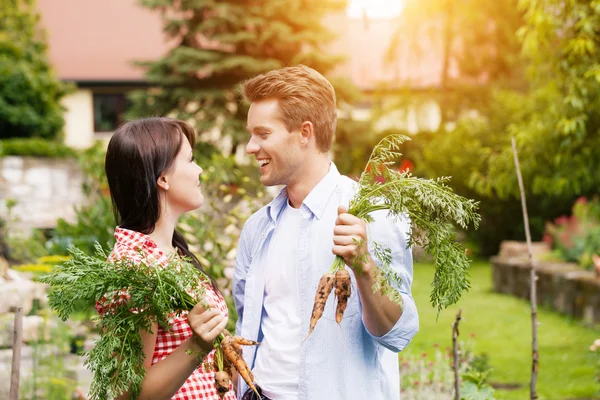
[(268, 182)]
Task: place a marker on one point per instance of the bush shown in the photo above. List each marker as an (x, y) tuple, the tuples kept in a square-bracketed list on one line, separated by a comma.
[(426, 378), (576, 238), (30, 92), (35, 147)]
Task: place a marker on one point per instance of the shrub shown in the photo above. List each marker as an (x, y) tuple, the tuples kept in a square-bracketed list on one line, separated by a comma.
[(30, 91), (576, 238), (35, 147), (423, 377)]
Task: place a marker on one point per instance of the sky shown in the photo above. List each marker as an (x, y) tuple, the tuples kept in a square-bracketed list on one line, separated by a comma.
[(374, 8)]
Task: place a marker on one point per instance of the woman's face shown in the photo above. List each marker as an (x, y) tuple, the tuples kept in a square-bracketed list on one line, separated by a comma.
[(183, 181)]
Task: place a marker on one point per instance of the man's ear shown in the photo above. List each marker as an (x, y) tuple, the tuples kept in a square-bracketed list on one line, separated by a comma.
[(306, 132), (162, 182)]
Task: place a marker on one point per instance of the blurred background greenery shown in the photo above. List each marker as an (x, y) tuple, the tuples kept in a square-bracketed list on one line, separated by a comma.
[(528, 69)]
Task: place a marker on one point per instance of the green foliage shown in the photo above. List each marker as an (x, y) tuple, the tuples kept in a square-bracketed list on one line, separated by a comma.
[(475, 42), (474, 379), (557, 127), (595, 350), (35, 147), (133, 294), (430, 374), (352, 145), (577, 238), (220, 43), (30, 93), (94, 223), (433, 209), (491, 318), (43, 266), (50, 378), (26, 248)]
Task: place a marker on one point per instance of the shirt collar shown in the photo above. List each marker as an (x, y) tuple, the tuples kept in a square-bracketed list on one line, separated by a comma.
[(134, 239), (317, 199)]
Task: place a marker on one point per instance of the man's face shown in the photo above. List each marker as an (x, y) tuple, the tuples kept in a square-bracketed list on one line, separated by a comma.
[(275, 148)]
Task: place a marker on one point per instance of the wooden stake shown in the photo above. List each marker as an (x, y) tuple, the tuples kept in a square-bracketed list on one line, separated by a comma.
[(16, 356), (532, 283), (455, 353)]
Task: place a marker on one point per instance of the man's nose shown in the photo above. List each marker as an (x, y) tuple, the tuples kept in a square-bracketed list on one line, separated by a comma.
[(252, 147)]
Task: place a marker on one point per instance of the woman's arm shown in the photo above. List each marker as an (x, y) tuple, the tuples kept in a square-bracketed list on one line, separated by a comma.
[(166, 377)]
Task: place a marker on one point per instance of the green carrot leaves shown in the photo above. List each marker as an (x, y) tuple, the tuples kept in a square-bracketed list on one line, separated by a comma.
[(133, 294), (434, 209)]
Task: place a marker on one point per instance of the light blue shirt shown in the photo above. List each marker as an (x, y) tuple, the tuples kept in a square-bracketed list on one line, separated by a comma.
[(336, 363)]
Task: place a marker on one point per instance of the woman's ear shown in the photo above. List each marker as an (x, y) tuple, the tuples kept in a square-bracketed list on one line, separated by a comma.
[(162, 182)]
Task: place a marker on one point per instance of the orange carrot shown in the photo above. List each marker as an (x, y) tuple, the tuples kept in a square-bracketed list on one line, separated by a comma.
[(342, 292), (222, 382), (323, 290), (244, 342), (233, 352)]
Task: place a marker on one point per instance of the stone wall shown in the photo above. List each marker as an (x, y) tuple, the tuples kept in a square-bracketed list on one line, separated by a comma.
[(562, 287), (44, 190)]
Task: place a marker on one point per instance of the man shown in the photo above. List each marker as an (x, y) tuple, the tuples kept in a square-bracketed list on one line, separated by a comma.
[(287, 245)]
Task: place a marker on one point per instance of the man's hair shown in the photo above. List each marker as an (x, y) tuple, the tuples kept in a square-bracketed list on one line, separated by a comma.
[(303, 95)]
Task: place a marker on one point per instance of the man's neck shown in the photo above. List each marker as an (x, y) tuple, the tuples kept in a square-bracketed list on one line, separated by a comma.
[(311, 176)]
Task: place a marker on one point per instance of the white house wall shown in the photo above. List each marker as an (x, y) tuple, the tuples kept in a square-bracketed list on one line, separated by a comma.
[(79, 119)]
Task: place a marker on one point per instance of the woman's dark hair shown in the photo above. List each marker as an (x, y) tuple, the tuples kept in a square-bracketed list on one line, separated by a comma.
[(138, 153)]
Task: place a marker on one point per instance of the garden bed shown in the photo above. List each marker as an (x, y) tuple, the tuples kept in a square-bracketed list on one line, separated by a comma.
[(563, 287)]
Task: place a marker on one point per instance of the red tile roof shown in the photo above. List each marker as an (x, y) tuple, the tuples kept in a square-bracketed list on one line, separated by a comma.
[(98, 40)]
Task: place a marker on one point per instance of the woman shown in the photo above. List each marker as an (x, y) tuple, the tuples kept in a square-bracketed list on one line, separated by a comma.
[(153, 179)]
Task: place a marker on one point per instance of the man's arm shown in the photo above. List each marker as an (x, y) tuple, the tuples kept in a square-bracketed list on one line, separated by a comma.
[(389, 323)]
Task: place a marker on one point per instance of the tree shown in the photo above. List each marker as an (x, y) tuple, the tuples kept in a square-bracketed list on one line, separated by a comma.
[(474, 43), (557, 128), (30, 92), (220, 43)]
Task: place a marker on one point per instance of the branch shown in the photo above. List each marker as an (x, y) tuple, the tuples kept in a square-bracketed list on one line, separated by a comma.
[(16, 356), (455, 352), (532, 281)]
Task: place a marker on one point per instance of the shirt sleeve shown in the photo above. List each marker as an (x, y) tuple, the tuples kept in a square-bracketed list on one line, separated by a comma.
[(393, 234), (242, 263)]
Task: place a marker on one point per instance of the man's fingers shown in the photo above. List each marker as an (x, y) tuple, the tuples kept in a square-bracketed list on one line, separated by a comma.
[(345, 240), (345, 230), (347, 219)]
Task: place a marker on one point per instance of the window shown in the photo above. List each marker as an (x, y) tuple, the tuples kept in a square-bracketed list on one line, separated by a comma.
[(108, 111)]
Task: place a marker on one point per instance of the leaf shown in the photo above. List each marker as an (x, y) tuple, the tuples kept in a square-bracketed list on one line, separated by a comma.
[(470, 391)]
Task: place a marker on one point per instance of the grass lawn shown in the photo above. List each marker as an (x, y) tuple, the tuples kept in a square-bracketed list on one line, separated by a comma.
[(501, 326)]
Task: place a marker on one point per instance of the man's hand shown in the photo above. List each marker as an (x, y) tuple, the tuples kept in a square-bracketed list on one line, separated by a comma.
[(350, 241)]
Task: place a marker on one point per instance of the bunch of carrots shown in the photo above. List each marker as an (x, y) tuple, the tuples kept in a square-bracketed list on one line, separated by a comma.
[(135, 294), (433, 208)]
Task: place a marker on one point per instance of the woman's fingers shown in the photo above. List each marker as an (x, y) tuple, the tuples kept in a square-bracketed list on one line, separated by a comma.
[(214, 332)]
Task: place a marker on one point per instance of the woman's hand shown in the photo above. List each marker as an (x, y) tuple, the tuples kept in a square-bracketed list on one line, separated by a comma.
[(207, 324)]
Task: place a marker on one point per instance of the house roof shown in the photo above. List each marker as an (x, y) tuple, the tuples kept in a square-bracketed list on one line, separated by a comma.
[(92, 40), (98, 41)]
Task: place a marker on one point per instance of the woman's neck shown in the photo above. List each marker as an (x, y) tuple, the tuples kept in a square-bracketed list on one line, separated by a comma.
[(163, 234)]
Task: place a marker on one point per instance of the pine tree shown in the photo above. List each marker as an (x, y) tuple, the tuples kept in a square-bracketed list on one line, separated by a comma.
[(220, 43), (30, 92)]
